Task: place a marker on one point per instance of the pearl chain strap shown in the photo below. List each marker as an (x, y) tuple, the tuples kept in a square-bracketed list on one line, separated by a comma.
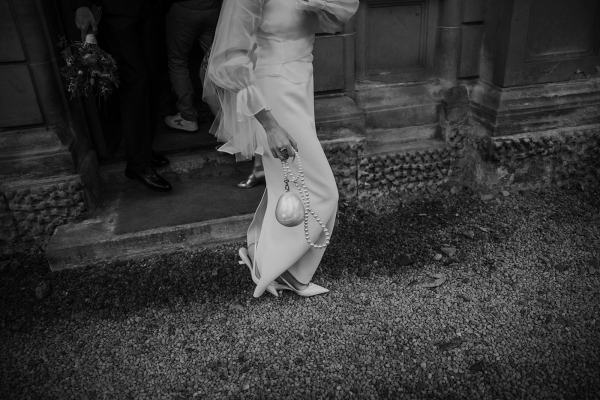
[(298, 180)]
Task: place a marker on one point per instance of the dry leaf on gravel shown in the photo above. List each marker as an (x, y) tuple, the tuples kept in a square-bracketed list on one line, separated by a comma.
[(453, 343), (439, 280)]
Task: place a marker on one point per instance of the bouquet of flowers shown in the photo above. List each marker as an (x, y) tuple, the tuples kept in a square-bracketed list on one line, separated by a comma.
[(89, 71)]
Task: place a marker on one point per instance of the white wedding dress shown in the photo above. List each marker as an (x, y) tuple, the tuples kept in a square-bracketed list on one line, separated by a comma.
[(262, 59)]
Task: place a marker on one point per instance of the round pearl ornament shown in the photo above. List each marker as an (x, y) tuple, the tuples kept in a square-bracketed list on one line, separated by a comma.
[(289, 210)]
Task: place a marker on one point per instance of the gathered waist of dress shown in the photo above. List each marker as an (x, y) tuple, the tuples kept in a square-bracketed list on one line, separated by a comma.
[(289, 59), (271, 51)]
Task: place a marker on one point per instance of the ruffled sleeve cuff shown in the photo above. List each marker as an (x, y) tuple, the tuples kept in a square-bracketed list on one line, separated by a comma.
[(250, 101)]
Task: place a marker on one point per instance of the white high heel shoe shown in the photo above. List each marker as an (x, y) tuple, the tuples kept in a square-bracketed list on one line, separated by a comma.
[(245, 259), (311, 290)]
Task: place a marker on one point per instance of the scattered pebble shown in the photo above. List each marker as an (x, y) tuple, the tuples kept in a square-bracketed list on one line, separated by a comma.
[(449, 251), (439, 280), (468, 234), (404, 260), (487, 197), (42, 290)]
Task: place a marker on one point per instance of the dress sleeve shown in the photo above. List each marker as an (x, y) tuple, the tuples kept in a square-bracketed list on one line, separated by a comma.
[(230, 84), (231, 63), (332, 14)]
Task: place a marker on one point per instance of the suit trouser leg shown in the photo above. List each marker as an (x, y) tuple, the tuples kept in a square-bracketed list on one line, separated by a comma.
[(125, 42)]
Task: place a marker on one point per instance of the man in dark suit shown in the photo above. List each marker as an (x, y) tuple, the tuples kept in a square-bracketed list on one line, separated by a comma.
[(130, 29)]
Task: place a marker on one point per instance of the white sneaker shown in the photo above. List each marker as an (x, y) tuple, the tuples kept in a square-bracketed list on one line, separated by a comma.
[(178, 122)]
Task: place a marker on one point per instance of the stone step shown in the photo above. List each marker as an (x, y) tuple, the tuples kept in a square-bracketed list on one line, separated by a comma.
[(203, 162), (28, 141), (397, 106), (338, 116), (33, 153), (201, 211), (36, 163), (93, 241), (398, 139)]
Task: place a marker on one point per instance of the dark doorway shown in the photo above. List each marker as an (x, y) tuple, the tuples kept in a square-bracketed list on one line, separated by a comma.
[(102, 117)]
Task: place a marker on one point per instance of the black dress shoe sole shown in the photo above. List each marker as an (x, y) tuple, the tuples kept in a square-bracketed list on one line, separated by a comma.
[(134, 176)]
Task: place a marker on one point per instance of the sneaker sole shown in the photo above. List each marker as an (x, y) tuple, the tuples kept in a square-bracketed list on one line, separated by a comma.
[(180, 128)]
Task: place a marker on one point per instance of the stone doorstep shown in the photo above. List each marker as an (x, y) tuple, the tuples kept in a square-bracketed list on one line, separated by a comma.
[(18, 184), (93, 241), (37, 165), (27, 141), (204, 162), (33, 153)]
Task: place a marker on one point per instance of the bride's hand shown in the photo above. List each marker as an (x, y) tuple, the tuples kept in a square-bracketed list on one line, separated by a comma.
[(281, 144)]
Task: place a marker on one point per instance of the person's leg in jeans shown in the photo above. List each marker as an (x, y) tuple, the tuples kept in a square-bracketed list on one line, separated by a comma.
[(183, 27)]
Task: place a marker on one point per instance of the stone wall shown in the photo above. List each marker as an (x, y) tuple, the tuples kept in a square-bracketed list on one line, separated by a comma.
[(559, 157), (468, 155), (406, 173), (30, 211), (344, 159)]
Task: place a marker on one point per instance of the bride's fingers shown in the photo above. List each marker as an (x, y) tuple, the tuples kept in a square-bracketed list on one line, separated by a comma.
[(291, 151), (294, 144)]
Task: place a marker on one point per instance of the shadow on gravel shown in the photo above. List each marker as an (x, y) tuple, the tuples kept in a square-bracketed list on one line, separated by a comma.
[(365, 243), (514, 289), (373, 240)]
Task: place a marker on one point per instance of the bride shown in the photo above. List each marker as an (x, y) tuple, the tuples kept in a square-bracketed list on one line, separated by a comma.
[(260, 72)]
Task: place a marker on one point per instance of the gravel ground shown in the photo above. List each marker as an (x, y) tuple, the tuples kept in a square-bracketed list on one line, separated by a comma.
[(499, 299)]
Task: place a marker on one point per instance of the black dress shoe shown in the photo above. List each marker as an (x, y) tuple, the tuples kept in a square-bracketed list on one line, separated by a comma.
[(158, 160), (150, 178)]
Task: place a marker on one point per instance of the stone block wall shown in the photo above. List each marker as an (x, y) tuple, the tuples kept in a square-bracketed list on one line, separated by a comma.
[(468, 155)]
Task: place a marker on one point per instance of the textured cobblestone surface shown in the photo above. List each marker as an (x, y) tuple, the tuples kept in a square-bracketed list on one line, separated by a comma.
[(551, 159), (36, 211), (405, 173), (343, 157)]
